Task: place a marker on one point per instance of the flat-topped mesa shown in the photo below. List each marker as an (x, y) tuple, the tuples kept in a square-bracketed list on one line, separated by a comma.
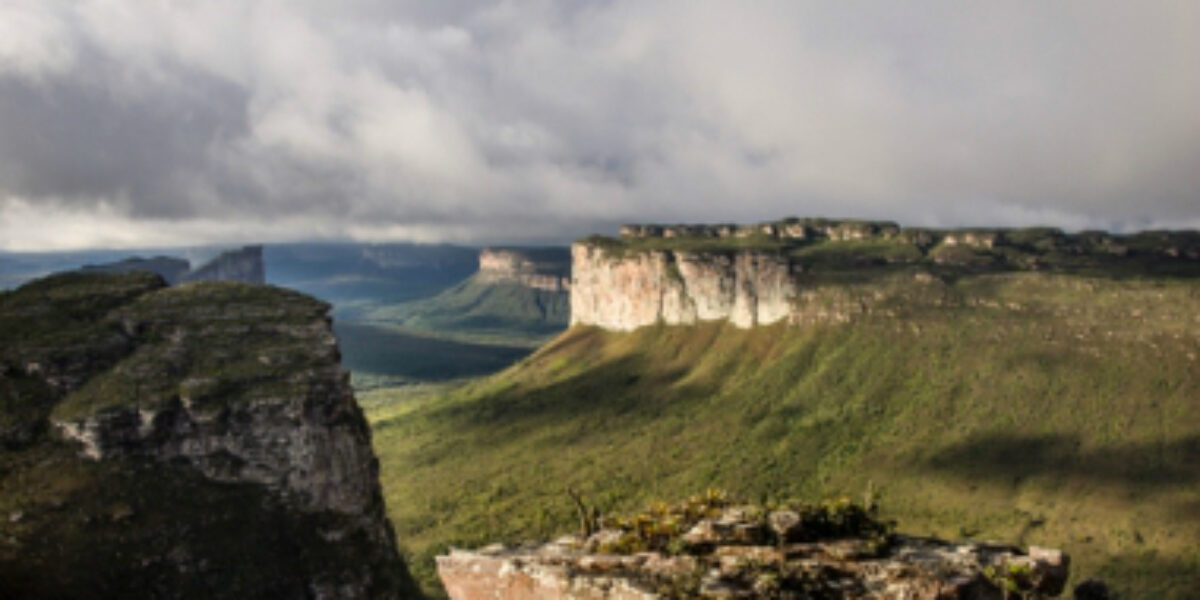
[(1183, 243), (546, 269), (787, 229), (823, 270)]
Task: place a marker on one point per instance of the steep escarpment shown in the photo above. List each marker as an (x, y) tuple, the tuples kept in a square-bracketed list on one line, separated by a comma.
[(786, 270), (1025, 392), (547, 269), (517, 295), (747, 288), (189, 441)]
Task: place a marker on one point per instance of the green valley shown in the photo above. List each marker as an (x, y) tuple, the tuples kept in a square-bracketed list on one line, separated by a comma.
[(1031, 407)]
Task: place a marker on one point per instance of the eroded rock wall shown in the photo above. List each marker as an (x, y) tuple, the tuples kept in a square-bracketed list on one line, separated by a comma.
[(678, 288), (542, 269), (248, 388), (225, 390)]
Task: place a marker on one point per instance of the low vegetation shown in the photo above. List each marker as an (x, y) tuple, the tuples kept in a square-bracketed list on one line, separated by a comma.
[(1028, 408), (475, 311), (135, 525)]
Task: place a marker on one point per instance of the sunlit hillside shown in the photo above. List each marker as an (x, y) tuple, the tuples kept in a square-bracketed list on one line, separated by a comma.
[(1028, 407)]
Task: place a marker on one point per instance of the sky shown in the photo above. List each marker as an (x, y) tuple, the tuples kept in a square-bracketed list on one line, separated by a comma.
[(142, 123)]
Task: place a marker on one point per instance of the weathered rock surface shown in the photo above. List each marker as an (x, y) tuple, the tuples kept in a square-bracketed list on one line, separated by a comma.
[(760, 274), (546, 269), (679, 288), (909, 569), (710, 547), (204, 423)]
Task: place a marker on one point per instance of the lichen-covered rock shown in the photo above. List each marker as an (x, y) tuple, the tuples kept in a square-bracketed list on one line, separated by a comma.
[(710, 547), (909, 569), (241, 382), (208, 444)]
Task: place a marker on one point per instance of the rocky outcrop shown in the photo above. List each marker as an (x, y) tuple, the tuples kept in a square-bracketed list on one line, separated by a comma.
[(245, 265), (547, 269), (715, 550), (911, 569), (279, 411), (788, 229), (818, 270), (1173, 244), (226, 394), (242, 383), (679, 288)]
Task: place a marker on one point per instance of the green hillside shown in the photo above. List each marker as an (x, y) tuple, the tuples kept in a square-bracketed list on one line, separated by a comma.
[(1057, 410), (478, 310)]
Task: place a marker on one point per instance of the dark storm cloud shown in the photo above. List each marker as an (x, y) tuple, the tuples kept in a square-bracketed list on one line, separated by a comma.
[(134, 123)]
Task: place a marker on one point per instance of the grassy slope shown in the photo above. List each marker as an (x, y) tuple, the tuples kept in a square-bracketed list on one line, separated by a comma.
[(1050, 410)]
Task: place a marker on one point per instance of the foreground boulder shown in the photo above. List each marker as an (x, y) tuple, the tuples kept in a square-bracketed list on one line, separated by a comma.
[(713, 549)]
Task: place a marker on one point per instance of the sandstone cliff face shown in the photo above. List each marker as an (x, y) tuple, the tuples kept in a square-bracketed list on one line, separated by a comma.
[(230, 391), (806, 271), (302, 434), (544, 269), (678, 288)]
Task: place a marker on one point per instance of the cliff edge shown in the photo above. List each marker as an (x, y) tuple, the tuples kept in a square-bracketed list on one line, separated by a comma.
[(547, 269), (518, 295), (192, 441), (813, 270)]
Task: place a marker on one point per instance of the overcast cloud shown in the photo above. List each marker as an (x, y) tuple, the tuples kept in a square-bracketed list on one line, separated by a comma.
[(135, 123)]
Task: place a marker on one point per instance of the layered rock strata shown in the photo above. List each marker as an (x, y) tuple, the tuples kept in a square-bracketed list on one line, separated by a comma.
[(811, 270), (712, 547), (1168, 243), (679, 288), (270, 403), (733, 556), (913, 569), (186, 403), (545, 269)]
